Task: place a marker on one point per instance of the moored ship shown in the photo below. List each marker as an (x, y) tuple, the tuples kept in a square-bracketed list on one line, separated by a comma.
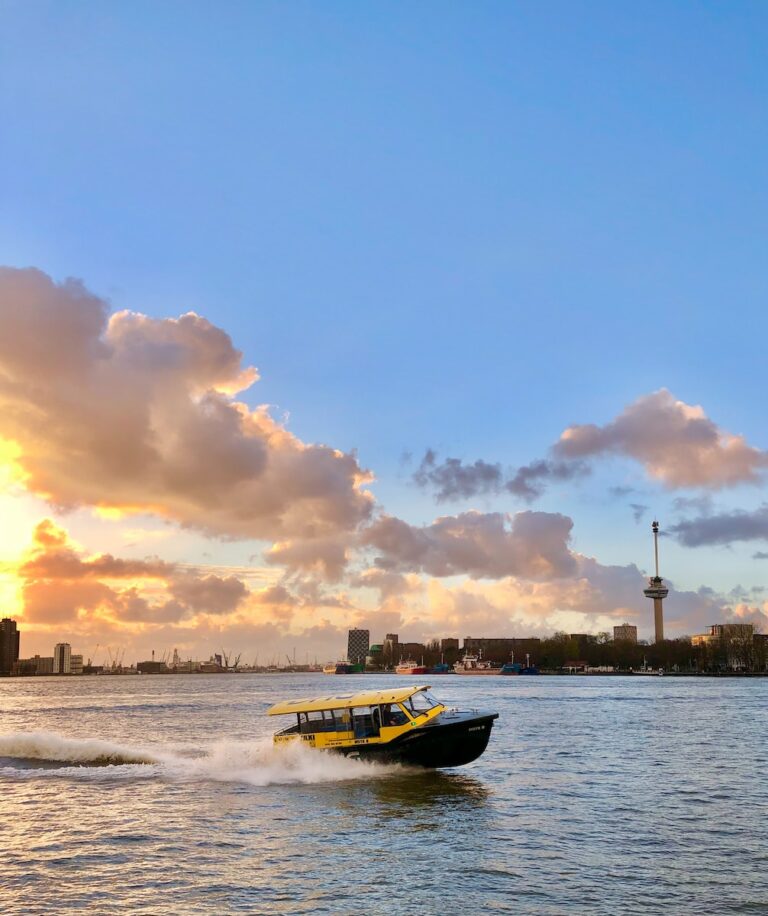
[(404, 725), (411, 667), (343, 667), (512, 667), (474, 664)]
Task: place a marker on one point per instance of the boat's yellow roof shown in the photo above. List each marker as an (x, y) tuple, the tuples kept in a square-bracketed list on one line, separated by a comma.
[(346, 700)]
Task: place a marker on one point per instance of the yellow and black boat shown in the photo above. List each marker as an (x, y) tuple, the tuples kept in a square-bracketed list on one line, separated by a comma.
[(403, 724)]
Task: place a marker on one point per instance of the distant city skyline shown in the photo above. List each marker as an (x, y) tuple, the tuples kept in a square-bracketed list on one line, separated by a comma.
[(407, 324)]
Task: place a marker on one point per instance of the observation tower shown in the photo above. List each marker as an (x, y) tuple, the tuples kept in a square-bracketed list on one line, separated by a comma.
[(656, 588)]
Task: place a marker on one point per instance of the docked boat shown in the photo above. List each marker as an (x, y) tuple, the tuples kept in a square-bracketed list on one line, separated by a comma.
[(474, 664), (343, 667), (403, 725), (442, 668), (511, 668), (411, 667)]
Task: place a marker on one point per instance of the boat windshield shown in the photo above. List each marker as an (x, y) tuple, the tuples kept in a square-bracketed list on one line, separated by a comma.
[(420, 703)]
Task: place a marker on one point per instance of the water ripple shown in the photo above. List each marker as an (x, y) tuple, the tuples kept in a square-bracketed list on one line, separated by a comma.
[(596, 796)]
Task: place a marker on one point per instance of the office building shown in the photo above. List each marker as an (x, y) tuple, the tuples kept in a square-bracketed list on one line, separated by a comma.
[(9, 645), (76, 664), (409, 650), (358, 643), (625, 633), (389, 651), (62, 658)]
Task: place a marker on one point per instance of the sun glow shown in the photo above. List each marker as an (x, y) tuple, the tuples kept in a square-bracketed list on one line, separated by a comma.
[(12, 474)]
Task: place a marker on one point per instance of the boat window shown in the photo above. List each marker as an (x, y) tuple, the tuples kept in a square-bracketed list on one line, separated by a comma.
[(341, 720), (316, 720), (366, 725), (391, 715), (420, 703)]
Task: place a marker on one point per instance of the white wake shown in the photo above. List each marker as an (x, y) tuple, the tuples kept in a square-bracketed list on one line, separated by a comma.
[(256, 763)]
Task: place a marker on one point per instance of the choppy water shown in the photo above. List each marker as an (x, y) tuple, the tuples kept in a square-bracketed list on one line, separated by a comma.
[(596, 795)]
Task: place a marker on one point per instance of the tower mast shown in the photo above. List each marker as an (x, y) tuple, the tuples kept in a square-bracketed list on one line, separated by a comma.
[(656, 588)]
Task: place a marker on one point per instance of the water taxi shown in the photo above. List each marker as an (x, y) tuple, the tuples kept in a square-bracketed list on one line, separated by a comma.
[(402, 724)]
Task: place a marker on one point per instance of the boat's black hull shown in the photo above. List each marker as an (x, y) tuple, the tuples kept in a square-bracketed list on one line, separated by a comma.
[(450, 741)]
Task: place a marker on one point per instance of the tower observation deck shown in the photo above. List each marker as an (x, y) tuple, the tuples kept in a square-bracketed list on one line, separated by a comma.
[(656, 588)]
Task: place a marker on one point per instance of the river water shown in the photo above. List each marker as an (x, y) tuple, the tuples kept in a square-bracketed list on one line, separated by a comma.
[(596, 795)]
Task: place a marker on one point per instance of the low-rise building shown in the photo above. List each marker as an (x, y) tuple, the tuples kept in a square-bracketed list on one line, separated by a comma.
[(152, 667), (29, 667), (728, 645), (719, 631)]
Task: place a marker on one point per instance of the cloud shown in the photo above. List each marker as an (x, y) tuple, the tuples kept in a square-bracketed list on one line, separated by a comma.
[(326, 557), (60, 583), (675, 442), (594, 598), (452, 479), (760, 555), (530, 544), (746, 613), (723, 528), (209, 594), (700, 504), (138, 414), (275, 594), (529, 480), (55, 558), (388, 583), (638, 511)]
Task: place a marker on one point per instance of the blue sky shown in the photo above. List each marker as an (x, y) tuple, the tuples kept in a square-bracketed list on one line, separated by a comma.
[(463, 226)]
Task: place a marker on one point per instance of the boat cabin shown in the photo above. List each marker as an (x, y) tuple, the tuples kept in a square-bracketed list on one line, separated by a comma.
[(372, 716)]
